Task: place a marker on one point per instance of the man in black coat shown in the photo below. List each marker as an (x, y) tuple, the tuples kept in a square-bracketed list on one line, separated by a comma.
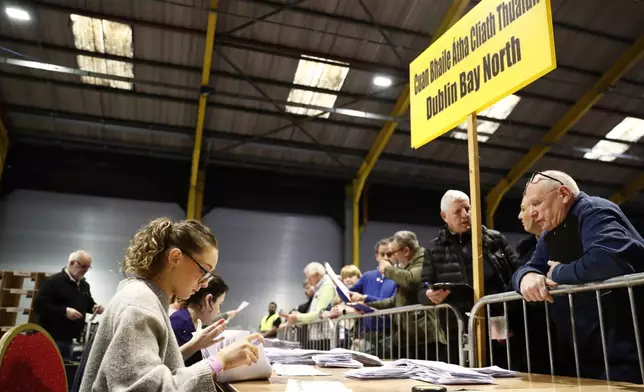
[(63, 300), (449, 260)]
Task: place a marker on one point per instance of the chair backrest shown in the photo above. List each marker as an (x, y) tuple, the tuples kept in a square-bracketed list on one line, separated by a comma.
[(30, 361)]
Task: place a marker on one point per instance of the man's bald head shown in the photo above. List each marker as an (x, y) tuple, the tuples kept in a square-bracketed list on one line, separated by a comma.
[(548, 196)]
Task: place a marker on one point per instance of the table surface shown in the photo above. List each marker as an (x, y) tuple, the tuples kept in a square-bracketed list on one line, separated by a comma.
[(526, 382)]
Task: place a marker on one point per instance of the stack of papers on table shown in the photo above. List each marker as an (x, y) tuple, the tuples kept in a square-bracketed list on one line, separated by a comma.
[(336, 360), (497, 372), (280, 343), (365, 359), (305, 357), (295, 357), (261, 370), (432, 371)]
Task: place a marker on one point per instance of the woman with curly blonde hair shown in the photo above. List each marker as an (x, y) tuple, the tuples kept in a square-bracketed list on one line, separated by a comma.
[(134, 348)]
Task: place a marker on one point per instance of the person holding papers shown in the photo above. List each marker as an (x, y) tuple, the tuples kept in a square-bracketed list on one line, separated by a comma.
[(373, 285), (199, 310), (405, 250), (134, 348), (323, 296)]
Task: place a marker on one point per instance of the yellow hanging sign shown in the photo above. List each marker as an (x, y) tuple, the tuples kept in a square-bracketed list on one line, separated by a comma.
[(496, 49)]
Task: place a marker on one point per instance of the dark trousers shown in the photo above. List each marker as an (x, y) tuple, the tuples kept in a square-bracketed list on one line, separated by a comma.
[(66, 350)]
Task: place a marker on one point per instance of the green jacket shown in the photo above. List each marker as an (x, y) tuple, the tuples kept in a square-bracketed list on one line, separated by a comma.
[(408, 280)]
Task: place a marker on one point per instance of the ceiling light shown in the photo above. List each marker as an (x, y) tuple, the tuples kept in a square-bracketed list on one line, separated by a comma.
[(17, 14), (382, 81)]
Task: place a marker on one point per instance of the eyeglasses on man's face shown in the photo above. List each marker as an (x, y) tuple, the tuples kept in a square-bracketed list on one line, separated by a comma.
[(538, 176), (207, 275)]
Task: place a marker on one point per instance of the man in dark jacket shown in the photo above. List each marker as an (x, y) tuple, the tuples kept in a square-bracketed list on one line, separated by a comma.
[(63, 300), (449, 260), (585, 239)]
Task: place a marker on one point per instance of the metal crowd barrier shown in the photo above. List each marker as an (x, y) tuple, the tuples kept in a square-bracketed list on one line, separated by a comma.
[(389, 334), (627, 281)]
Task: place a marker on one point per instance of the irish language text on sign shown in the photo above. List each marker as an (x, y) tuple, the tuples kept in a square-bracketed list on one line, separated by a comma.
[(496, 49)]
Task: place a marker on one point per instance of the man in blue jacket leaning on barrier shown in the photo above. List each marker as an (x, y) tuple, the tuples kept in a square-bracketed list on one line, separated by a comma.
[(585, 239)]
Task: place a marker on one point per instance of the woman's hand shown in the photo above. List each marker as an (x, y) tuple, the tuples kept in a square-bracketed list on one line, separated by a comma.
[(206, 337), (242, 352)]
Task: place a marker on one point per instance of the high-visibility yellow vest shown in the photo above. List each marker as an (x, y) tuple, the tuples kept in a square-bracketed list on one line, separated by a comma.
[(267, 322)]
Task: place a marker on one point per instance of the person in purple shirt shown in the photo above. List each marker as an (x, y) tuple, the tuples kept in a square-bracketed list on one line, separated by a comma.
[(200, 309)]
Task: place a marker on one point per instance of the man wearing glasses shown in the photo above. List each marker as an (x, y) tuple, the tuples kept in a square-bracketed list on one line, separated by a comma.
[(63, 300), (584, 239)]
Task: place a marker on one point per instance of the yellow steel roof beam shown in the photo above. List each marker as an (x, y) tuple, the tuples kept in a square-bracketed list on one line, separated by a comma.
[(201, 112), (627, 60), (629, 190), (454, 13)]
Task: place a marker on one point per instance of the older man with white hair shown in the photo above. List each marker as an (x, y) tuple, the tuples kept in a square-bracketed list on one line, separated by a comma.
[(584, 239), (449, 260), (63, 300)]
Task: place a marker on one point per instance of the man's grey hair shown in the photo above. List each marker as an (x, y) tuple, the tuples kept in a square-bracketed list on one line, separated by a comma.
[(77, 255), (406, 239), (565, 179), (314, 268), (384, 241), (451, 196)]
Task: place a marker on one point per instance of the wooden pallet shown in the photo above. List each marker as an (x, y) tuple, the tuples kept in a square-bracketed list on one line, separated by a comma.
[(15, 287)]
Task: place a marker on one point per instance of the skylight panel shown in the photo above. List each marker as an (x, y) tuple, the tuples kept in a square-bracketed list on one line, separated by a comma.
[(103, 36), (631, 129), (311, 72), (500, 110)]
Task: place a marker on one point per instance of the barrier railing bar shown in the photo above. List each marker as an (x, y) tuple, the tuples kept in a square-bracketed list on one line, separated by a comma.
[(416, 333), (601, 329), (574, 333), (636, 330), (489, 336), (436, 324), (449, 351), (527, 335), (626, 281), (552, 363), (507, 329), (426, 340)]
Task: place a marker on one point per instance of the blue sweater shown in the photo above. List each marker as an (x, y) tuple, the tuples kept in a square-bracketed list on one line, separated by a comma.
[(611, 246), (375, 286)]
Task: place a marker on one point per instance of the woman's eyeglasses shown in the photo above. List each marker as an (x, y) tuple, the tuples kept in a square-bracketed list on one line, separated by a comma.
[(207, 275)]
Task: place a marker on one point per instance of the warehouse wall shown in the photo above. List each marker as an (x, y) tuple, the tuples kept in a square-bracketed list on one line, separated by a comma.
[(263, 255), (38, 230)]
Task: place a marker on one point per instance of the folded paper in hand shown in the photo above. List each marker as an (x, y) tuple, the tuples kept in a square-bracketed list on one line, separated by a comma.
[(261, 370), (343, 293)]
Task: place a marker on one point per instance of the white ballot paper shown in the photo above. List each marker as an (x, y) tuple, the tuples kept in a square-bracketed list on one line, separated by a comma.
[(242, 306), (261, 370), (297, 370)]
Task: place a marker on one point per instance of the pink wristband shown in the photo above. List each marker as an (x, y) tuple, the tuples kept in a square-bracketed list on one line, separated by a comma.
[(216, 365)]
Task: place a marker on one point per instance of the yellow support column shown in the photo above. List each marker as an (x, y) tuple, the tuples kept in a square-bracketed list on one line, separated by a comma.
[(201, 112), (454, 13), (627, 60), (201, 185), (629, 190)]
